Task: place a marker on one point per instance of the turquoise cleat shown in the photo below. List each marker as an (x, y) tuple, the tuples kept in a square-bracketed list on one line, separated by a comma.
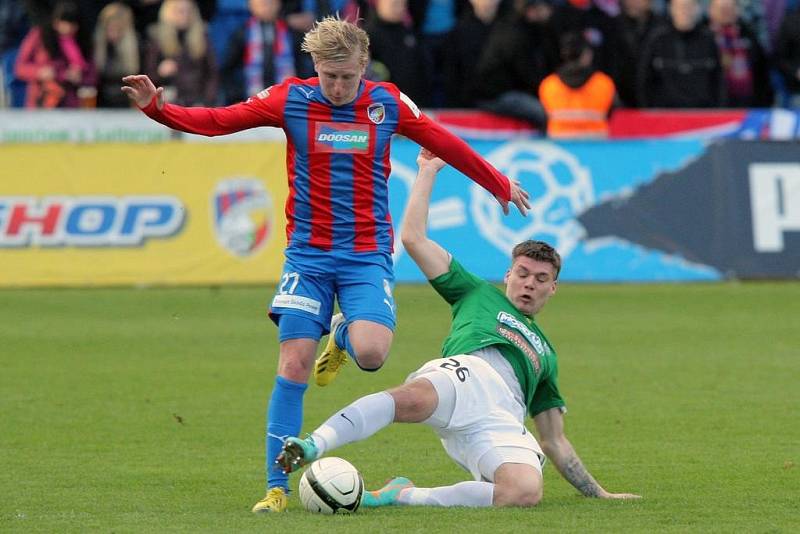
[(296, 453), (387, 495)]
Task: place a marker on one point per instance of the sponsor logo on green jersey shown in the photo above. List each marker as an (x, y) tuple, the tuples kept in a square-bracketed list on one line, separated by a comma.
[(532, 337), (522, 344)]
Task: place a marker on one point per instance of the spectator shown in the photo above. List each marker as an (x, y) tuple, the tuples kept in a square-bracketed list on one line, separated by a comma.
[(395, 49), (609, 7), (116, 53), (179, 55), (88, 11), (260, 54), (633, 27), (229, 18), (680, 65), (744, 64), (434, 20), (13, 25), (753, 13), (774, 11), (146, 12), (577, 97), (787, 55), (519, 54), (13, 28), (466, 43), (583, 16), (51, 62), (301, 14)]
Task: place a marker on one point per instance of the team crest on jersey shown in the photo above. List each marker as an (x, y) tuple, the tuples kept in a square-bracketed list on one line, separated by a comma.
[(243, 215), (341, 137), (376, 113)]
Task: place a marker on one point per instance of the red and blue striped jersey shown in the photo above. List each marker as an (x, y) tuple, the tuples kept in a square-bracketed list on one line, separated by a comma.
[(337, 157)]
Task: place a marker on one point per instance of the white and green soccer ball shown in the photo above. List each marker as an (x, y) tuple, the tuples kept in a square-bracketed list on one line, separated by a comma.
[(331, 486)]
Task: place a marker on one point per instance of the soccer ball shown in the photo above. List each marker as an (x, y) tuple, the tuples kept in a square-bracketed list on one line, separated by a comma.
[(331, 486)]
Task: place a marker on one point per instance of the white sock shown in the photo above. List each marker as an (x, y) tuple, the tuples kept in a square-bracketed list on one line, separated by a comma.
[(475, 494), (357, 421)]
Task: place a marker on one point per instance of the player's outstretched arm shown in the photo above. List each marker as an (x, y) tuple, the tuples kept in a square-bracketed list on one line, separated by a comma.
[(550, 427), (431, 258), (457, 153), (262, 110)]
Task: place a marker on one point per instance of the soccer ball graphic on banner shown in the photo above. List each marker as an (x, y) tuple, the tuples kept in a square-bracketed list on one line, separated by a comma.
[(560, 188), (331, 486)]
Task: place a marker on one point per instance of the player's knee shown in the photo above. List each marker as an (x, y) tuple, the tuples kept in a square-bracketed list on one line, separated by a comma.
[(294, 369), (295, 366), (370, 343), (370, 359), (296, 359), (517, 494), (414, 402), (529, 498)]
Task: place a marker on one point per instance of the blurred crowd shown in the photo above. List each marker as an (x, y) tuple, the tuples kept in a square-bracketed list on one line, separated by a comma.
[(513, 57)]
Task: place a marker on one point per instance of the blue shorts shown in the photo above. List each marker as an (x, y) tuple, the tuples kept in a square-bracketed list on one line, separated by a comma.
[(361, 282)]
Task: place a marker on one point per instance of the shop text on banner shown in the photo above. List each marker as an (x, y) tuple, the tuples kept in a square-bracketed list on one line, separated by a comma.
[(168, 213)]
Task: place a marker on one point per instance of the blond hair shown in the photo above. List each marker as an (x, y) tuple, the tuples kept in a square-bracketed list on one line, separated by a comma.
[(333, 39), (166, 34), (127, 47)]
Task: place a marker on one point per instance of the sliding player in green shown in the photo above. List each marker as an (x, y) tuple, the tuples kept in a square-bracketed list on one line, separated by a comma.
[(497, 364)]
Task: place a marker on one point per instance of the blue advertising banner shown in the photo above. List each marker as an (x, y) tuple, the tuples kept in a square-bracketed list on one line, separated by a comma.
[(565, 180), (736, 208)]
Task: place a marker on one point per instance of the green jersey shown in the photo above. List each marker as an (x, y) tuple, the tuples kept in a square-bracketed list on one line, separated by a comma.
[(482, 317)]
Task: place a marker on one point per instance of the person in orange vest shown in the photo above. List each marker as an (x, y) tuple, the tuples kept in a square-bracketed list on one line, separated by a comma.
[(577, 97)]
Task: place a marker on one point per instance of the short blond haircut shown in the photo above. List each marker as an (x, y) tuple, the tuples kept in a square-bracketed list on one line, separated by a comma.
[(333, 39)]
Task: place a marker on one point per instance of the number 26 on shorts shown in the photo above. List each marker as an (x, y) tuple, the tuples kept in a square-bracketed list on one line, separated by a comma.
[(454, 365)]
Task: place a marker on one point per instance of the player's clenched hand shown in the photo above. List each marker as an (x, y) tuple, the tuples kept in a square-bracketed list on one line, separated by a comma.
[(519, 197), (141, 90), (427, 160)]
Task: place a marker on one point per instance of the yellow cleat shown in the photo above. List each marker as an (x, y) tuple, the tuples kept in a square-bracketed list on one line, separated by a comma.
[(275, 501), (332, 358)]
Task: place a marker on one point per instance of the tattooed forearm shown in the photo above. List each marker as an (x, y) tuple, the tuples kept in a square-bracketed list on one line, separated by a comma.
[(573, 470)]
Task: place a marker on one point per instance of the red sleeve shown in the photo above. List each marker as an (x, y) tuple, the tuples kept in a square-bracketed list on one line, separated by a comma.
[(264, 109), (415, 125)]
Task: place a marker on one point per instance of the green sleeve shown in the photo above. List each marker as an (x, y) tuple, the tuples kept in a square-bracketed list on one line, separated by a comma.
[(546, 395), (455, 283)]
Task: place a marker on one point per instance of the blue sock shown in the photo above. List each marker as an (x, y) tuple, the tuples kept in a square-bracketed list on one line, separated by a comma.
[(284, 418), (343, 340)]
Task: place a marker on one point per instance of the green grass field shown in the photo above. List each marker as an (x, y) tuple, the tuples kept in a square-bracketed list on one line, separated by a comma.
[(128, 410)]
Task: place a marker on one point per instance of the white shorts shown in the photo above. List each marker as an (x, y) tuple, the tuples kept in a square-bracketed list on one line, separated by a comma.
[(479, 421)]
